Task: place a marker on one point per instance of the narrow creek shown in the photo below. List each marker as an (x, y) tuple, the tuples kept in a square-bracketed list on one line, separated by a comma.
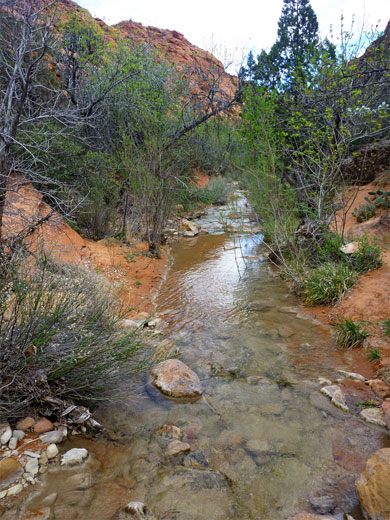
[(264, 442)]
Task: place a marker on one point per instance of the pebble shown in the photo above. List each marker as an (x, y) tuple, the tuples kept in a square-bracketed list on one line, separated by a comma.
[(74, 456), (177, 447), (52, 451), (14, 490), (25, 424), (43, 425), (19, 434), (13, 442), (6, 434), (32, 466), (34, 454)]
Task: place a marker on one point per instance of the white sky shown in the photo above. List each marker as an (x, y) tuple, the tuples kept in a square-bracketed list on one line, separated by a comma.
[(230, 29)]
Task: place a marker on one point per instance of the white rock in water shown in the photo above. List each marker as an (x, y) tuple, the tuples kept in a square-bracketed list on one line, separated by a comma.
[(74, 456), (373, 416), (336, 396), (6, 434), (352, 375), (137, 508), (52, 451), (14, 490), (34, 454), (32, 466)]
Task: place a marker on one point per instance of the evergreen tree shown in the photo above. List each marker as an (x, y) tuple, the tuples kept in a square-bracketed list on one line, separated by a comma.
[(292, 54)]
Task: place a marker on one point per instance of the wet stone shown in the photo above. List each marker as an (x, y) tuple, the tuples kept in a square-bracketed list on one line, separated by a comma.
[(10, 470), (43, 425), (25, 424), (177, 448), (175, 379)]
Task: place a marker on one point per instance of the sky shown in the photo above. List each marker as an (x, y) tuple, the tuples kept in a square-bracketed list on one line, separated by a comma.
[(230, 30)]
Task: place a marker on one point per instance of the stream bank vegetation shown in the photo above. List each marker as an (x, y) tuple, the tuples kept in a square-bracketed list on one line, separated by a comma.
[(309, 106)]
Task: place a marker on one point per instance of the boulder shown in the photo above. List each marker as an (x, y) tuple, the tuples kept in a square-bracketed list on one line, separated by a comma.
[(336, 396), (373, 486), (10, 470), (43, 425), (380, 388), (373, 416), (175, 379)]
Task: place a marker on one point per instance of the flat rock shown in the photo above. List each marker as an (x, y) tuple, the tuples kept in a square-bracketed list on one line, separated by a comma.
[(177, 448), (336, 396), (380, 388), (25, 424), (53, 437), (15, 490), (175, 379), (74, 456), (351, 375), (373, 486), (373, 416), (310, 516), (43, 425), (10, 470)]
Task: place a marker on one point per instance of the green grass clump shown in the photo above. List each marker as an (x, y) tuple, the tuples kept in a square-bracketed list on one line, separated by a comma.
[(386, 327), (327, 283), (373, 354), (364, 212), (351, 334), (217, 191), (367, 257)]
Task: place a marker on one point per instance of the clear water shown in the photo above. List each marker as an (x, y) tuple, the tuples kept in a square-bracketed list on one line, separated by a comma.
[(263, 439)]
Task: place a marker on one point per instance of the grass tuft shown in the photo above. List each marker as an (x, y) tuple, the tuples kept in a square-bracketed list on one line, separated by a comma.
[(351, 334), (327, 283)]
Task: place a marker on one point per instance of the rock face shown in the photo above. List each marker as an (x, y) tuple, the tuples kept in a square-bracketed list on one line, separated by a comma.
[(174, 379), (373, 486)]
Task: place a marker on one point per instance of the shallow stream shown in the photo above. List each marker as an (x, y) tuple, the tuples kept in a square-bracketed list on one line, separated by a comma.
[(264, 442)]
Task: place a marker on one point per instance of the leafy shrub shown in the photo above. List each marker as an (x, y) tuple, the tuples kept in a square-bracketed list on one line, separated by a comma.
[(328, 282), (59, 335), (350, 333), (367, 257)]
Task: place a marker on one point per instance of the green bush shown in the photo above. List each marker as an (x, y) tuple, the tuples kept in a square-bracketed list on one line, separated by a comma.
[(327, 283), (367, 257), (351, 334), (386, 327), (59, 336)]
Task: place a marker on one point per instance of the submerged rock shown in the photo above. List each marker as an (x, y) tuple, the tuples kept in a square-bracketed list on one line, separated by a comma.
[(336, 396), (10, 470), (177, 448), (175, 379), (74, 456), (373, 486)]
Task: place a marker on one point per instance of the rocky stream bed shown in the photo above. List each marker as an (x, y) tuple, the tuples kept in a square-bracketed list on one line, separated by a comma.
[(255, 415)]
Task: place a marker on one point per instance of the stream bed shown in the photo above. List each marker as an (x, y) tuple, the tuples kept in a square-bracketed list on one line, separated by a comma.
[(265, 444)]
